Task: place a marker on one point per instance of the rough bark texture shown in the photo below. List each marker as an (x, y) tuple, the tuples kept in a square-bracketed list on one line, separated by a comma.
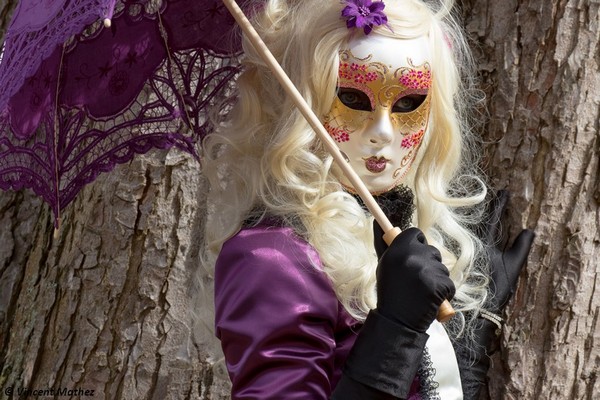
[(540, 62), (105, 305)]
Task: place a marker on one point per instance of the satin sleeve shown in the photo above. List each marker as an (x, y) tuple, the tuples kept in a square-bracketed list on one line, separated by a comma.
[(276, 312)]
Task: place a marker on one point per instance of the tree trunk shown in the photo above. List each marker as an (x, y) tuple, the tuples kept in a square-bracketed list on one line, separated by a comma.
[(105, 305), (539, 60)]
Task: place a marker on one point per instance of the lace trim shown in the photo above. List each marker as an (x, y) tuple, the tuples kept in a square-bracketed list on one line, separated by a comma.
[(397, 204), (33, 36), (426, 373)]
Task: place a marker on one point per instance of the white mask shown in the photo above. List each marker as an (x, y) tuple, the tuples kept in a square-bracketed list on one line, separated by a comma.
[(382, 109)]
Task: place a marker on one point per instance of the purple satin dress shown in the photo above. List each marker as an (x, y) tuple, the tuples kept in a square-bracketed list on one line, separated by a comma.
[(283, 331)]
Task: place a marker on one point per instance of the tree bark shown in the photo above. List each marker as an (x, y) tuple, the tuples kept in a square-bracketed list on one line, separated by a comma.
[(540, 63), (105, 305)]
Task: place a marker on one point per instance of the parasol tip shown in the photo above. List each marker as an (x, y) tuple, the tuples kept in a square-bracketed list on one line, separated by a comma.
[(56, 228), (107, 22)]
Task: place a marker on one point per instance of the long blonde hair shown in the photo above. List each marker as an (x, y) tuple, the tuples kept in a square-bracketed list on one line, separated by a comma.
[(265, 159)]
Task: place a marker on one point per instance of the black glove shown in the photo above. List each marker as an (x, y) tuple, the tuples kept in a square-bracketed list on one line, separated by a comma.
[(505, 264), (505, 267), (412, 282)]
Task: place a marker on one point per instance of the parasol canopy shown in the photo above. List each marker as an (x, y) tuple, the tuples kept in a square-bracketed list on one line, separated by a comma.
[(79, 98)]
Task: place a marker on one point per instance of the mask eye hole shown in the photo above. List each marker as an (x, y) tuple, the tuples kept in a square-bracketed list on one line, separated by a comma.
[(354, 99), (408, 103)]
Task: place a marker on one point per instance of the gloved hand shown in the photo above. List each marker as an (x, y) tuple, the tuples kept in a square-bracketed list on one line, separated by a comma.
[(412, 282), (505, 267)]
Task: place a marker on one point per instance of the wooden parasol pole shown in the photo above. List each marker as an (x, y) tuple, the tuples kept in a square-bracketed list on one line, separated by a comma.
[(446, 311)]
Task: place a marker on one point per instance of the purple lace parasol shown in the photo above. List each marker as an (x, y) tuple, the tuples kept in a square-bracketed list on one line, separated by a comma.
[(79, 98)]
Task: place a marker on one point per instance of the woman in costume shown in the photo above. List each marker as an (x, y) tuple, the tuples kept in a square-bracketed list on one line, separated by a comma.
[(306, 306)]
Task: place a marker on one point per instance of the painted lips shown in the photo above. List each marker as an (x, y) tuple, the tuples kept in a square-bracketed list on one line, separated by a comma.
[(376, 164)]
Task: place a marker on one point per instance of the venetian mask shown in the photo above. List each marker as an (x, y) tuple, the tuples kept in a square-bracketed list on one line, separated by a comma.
[(381, 112)]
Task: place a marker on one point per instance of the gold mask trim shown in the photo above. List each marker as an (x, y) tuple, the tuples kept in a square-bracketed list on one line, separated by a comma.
[(384, 87)]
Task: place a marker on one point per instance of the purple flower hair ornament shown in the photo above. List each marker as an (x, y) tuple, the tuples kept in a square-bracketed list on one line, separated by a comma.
[(364, 14)]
